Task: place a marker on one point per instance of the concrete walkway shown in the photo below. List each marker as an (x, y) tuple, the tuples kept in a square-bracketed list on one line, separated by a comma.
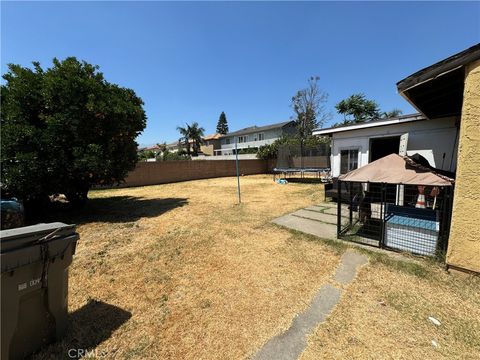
[(313, 220), (290, 344)]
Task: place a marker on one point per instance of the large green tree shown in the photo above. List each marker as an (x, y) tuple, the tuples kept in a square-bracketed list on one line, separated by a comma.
[(191, 134), (64, 129), (308, 105), (222, 124), (270, 151), (357, 108)]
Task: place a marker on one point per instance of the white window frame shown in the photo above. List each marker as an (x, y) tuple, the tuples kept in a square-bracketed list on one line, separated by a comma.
[(242, 139), (357, 149), (262, 135)]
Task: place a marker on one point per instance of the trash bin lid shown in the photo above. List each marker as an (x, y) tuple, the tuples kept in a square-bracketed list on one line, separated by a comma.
[(12, 239)]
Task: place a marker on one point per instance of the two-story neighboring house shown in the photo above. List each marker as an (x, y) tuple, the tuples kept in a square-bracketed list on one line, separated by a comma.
[(253, 137), (210, 144)]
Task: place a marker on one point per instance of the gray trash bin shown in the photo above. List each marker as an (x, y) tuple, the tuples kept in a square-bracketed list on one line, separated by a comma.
[(34, 283)]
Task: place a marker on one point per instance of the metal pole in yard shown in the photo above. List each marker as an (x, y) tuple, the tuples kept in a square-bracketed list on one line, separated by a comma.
[(238, 175), (339, 208)]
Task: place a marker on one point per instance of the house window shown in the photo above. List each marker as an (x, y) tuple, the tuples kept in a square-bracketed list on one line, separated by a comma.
[(227, 141), (242, 139), (348, 160), (261, 136)]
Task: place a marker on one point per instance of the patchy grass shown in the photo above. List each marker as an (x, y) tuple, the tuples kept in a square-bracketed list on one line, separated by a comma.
[(336, 246), (412, 266), (416, 268), (188, 273), (180, 271), (384, 315)]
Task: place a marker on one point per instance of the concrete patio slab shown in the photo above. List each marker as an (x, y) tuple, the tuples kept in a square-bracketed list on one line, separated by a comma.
[(331, 211), (331, 205), (316, 208), (314, 215), (308, 226)]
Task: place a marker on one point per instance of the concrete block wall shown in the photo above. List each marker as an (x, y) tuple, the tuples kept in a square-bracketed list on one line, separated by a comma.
[(163, 172)]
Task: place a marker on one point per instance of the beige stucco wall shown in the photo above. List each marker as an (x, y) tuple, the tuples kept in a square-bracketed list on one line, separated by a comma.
[(464, 241), (207, 149)]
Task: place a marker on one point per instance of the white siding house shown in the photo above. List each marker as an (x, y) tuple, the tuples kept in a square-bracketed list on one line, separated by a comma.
[(356, 145), (253, 137)]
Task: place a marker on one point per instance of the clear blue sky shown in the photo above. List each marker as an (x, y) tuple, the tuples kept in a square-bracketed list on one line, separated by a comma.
[(190, 61)]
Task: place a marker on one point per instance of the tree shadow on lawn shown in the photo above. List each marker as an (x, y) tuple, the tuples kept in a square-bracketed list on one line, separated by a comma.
[(88, 327), (114, 209)]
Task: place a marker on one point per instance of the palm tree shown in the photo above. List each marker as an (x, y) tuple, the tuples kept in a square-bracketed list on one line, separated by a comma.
[(162, 147), (196, 134), (184, 132), (392, 113), (192, 133)]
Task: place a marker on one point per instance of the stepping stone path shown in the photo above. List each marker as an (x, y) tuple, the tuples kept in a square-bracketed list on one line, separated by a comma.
[(290, 344)]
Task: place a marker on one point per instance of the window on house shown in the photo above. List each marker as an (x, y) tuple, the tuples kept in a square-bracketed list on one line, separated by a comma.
[(227, 141), (261, 136), (348, 160), (242, 139)]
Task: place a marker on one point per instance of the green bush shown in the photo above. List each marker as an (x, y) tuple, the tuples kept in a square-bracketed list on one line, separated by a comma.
[(173, 156), (65, 129), (251, 150)]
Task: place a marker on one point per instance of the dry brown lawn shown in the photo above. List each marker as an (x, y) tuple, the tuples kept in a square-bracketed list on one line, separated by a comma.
[(384, 315), (180, 271)]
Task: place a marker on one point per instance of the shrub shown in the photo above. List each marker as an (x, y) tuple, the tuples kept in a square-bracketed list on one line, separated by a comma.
[(65, 129)]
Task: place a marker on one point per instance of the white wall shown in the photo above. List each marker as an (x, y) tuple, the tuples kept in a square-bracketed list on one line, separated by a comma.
[(269, 137), (437, 136), (228, 149)]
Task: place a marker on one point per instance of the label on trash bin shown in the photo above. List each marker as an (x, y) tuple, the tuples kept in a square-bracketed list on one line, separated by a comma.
[(31, 283), (22, 286)]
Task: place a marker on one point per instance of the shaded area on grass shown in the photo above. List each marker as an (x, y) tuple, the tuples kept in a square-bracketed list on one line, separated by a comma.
[(89, 326), (113, 209)]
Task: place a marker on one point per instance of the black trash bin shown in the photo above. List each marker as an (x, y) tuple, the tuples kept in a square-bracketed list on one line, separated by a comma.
[(34, 284)]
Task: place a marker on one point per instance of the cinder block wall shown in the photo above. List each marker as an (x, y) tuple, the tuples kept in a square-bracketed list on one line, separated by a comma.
[(464, 242), (162, 172)]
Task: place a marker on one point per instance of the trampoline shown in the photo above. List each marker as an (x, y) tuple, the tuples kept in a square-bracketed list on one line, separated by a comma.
[(297, 161)]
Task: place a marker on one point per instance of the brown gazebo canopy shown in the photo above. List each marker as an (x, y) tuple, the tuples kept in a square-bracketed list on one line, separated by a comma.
[(396, 169)]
